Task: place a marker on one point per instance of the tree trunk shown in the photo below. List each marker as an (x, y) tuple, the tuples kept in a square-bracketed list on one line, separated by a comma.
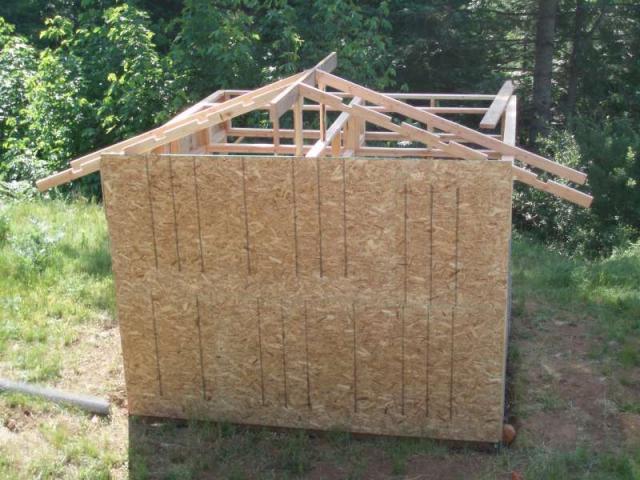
[(545, 32), (575, 58)]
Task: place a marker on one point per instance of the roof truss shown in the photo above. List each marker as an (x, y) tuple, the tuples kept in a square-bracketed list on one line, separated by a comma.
[(207, 127)]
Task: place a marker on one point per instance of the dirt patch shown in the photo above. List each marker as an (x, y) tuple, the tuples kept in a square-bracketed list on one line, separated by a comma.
[(631, 428), (565, 399)]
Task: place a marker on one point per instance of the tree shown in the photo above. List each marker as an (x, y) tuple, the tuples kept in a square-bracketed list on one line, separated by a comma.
[(543, 68)]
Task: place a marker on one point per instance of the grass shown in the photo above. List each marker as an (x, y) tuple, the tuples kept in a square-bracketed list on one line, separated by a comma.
[(55, 276), (606, 290), (56, 285)]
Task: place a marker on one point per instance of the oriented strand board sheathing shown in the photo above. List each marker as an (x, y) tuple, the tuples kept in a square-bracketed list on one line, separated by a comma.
[(362, 294)]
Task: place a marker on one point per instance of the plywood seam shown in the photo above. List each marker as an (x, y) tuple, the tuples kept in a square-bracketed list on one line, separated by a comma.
[(153, 226), (175, 213), (405, 242), (306, 348), (195, 187), (403, 359), (295, 215), (258, 317), (319, 214), (455, 303), (246, 216), (201, 355), (355, 358), (155, 339), (451, 347), (428, 367), (344, 215), (284, 358)]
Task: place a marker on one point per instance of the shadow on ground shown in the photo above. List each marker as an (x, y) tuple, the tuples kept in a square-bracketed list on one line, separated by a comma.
[(173, 449)]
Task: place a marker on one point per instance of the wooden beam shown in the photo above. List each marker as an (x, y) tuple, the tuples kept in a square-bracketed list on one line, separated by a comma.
[(453, 127), (209, 101), (409, 131), (509, 125), (554, 188), (498, 106), (315, 134), (322, 112), (412, 96), (256, 148), (285, 99), (335, 129), (200, 116), (298, 125), (166, 133)]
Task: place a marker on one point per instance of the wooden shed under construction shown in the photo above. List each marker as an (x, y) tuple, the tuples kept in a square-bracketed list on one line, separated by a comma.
[(350, 273)]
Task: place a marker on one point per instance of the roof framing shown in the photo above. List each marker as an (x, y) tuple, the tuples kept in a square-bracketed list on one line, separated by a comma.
[(207, 127)]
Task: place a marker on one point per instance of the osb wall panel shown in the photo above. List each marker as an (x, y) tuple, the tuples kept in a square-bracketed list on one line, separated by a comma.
[(362, 294)]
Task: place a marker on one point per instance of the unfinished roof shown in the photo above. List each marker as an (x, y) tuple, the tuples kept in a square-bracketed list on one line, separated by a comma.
[(206, 127)]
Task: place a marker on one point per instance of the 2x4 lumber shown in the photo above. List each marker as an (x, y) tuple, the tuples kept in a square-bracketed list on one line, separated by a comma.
[(509, 125), (201, 115), (498, 106), (525, 176), (392, 136), (410, 96), (256, 148), (91, 162), (315, 134), (209, 101), (440, 110), (276, 131), (336, 144), (384, 121), (298, 125), (283, 101), (335, 129), (453, 127), (354, 133), (269, 133), (322, 111), (554, 188), (209, 117)]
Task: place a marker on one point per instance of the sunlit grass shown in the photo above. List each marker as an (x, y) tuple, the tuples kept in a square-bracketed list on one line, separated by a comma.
[(55, 276)]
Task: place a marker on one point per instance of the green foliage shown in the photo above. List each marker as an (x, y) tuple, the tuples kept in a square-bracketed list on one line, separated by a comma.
[(358, 31), (140, 81), (18, 64), (242, 43), (96, 83), (77, 75), (215, 46), (608, 152)]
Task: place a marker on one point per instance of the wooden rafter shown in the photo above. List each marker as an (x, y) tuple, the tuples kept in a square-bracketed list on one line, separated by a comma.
[(498, 106), (286, 99), (206, 127), (335, 129), (164, 134), (453, 127)]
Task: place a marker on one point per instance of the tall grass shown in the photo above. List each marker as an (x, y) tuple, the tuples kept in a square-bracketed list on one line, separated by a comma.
[(55, 277)]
